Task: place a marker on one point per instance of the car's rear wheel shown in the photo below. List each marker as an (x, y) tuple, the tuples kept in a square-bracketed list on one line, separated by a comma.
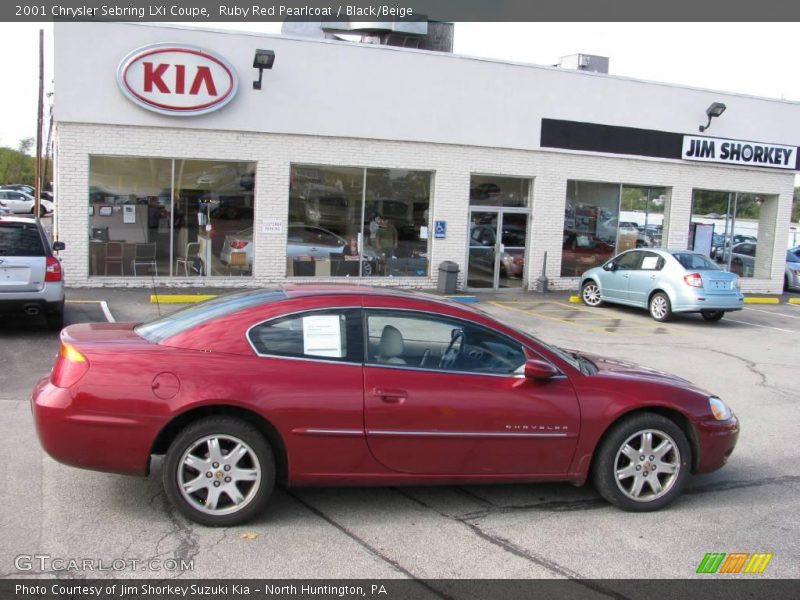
[(219, 471), (643, 463), (712, 315), (590, 294), (660, 307)]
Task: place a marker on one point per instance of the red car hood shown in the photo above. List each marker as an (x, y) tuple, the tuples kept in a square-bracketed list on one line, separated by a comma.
[(609, 366)]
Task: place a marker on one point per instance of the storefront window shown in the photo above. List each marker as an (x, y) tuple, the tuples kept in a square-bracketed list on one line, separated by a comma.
[(725, 226), (642, 211), (591, 221), (350, 222), (489, 190), (153, 217), (604, 219)]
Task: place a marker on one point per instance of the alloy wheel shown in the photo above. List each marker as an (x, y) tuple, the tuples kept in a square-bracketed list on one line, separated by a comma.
[(591, 294), (219, 474), (647, 465)]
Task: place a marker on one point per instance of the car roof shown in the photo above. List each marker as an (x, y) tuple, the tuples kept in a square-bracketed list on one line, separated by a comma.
[(298, 290)]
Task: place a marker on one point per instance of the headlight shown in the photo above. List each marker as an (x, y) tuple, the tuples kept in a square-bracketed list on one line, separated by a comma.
[(719, 409)]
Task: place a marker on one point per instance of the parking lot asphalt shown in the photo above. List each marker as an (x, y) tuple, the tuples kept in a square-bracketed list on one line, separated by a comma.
[(509, 531)]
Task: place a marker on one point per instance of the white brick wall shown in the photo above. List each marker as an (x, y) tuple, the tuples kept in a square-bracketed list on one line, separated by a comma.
[(451, 164)]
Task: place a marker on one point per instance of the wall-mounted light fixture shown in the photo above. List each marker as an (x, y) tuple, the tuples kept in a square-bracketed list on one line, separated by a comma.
[(715, 110), (264, 59)]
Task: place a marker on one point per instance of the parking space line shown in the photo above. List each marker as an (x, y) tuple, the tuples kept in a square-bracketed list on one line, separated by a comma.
[(772, 312), (763, 326), (103, 306)]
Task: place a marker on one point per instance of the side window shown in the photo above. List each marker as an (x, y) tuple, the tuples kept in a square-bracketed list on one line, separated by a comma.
[(629, 261), (326, 334), (439, 343), (651, 262)]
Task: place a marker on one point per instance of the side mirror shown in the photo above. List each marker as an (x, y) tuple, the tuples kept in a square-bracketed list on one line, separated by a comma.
[(58, 246), (539, 369), (610, 266)]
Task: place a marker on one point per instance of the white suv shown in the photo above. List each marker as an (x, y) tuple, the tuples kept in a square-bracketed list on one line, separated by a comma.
[(31, 278)]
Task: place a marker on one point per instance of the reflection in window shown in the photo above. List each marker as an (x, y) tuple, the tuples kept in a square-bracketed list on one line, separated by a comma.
[(603, 219), (591, 220), (347, 221), (725, 227), (490, 190), (140, 225)]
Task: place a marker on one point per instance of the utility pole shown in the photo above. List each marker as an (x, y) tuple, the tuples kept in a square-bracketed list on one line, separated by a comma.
[(40, 109)]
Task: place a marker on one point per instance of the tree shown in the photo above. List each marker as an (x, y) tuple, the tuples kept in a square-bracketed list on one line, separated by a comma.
[(796, 206), (17, 166)]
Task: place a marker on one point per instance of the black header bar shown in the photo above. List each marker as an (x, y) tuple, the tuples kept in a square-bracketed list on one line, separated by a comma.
[(209, 11)]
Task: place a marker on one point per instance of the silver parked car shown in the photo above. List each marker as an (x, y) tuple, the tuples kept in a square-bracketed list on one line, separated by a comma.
[(20, 202), (302, 240), (791, 279), (31, 278), (664, 282)]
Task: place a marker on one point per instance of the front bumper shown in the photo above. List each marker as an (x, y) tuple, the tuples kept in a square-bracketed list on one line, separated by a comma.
[(716, 440), (87, 439)]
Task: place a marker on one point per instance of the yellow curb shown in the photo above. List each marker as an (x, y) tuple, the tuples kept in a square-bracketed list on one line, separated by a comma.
[(762, 300), (575, 299), (179, 298), (794, 300)]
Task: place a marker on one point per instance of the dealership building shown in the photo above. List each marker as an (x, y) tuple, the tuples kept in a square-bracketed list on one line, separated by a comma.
[(373, 163)]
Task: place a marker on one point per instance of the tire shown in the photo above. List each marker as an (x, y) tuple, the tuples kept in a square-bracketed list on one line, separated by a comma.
[(55, 320), (712, 315), (660, 307), (590, 294), (193, 451), (628, 482), (366, 268), (42, 210)]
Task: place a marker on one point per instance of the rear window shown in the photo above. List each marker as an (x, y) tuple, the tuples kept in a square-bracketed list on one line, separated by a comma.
[(691, 262), (166, 327), (20, 239)]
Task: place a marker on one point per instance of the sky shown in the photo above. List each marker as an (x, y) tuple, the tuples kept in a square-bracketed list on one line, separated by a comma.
[(750, 58)]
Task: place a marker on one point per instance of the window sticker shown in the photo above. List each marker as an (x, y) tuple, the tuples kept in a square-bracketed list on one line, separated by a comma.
[(649, 263), (322, 336)]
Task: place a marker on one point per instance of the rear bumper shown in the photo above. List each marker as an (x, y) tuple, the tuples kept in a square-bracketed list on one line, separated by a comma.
[(717, 439), (48, 299), (700, 300), (86, 439)]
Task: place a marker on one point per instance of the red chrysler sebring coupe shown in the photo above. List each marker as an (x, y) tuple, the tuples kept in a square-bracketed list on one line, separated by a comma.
[(348, 385)]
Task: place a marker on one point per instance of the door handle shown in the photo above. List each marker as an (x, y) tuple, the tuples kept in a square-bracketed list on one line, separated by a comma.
[(626, 276), (390, 396)]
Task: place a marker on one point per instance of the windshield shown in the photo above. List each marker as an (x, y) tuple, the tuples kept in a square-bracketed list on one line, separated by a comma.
[(691, 261), (165, 327), (793, 255)]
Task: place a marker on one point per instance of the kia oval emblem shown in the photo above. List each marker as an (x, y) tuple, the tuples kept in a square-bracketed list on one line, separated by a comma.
[(175, 79)]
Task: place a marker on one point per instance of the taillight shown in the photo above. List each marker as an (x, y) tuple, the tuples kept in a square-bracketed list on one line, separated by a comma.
[(53, 270), (238, 244), (70, 366), (694, 280)]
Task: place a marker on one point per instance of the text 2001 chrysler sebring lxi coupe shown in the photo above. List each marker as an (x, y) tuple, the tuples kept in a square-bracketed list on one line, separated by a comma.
[(347, 385)]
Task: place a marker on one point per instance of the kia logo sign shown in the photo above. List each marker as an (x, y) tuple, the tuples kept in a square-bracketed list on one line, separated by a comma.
[(173, 79)]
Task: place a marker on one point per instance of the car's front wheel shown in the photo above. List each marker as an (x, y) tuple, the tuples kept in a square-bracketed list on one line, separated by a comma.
[(643, 463), (219, 471), (712, 315), (590, 294), (660, 307)]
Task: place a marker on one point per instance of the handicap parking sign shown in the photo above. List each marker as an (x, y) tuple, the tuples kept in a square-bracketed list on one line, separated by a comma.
[(440, 229)]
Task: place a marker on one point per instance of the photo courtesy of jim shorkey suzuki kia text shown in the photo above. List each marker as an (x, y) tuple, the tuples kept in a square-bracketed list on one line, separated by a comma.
[(195, 12), (192, 590)]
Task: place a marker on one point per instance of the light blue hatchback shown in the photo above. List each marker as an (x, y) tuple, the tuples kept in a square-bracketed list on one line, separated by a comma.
[(664, 282)]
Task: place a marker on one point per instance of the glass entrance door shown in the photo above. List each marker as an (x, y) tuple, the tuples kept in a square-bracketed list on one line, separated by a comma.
[(496, 249)]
